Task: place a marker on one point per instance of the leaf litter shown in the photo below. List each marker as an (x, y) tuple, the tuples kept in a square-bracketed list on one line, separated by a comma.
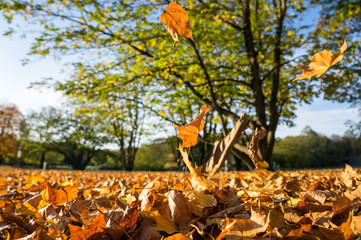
[(312, 204)]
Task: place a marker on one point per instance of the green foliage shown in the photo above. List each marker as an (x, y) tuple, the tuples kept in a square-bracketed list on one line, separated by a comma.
[(106, 159), (157, 156), (309, 150), (76, 137), (33, 155)]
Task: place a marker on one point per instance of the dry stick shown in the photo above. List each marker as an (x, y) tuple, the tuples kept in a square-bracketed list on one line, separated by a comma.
[(223, 147), (186, 160)]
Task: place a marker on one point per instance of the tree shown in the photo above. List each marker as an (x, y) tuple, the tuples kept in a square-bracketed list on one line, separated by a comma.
[(242, 58), (76, 137), (42, 132), (123, 117), (10, 122), (156, 155), (309, 150)]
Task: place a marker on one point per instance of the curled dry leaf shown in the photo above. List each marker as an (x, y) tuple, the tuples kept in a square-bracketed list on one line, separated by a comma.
[(189, 133), (180, 208), (176, 20), (253, 149), (320, 63)]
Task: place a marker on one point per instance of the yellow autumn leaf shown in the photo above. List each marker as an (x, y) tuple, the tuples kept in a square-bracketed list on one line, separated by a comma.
[(320, 63)]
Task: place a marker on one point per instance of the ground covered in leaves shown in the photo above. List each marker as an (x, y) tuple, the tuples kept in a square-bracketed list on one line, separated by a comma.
[(322, 204)]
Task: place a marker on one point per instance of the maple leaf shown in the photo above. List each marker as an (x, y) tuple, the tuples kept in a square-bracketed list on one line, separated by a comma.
[(189, 133), (176, 20), (320, 63)]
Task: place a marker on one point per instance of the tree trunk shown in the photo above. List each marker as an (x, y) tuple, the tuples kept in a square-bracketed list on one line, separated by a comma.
[(42, 159), (275, 108), (77, 164)]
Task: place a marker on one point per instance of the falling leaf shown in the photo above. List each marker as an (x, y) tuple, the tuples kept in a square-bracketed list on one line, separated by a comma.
[(320, 63), (189, 133), (253, 149), (176, 20)]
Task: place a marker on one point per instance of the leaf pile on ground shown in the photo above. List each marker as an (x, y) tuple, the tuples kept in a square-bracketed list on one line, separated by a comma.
[(319, 204)]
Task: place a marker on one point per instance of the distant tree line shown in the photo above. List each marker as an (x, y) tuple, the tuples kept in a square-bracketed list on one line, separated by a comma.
[(62, 136), (312, 150)]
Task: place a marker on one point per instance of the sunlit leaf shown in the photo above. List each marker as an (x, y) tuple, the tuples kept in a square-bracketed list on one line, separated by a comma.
[(320, 63)]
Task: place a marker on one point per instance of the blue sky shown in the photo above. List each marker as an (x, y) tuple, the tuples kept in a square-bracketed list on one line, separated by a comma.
[(322, 116)]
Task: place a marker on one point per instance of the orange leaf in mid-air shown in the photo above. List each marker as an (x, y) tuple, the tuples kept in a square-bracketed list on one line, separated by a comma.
[(320, 63), (189, 133), (176, 20)]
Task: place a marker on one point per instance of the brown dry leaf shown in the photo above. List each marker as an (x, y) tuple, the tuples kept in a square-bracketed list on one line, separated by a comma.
[(258, 223), (341, 205), (189, 133), (348, 176), (50, 214), (180, 208), (320, 63), (319, 196), (176, 20), (253, 149), (146, 231), (162, 221), (59, 196), (94, 231)]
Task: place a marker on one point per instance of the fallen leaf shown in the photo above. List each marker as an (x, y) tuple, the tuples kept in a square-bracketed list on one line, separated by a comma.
[(341, 205), (94, 231), (189, 133), (59, 196), (163, 223), (176, 20), (179, 207), (258, 223), (320, 63), (177, 236)]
